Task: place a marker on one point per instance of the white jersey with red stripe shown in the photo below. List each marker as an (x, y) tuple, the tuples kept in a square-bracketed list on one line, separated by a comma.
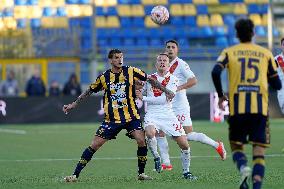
[(159, 112), (280, 93), (182, 71)]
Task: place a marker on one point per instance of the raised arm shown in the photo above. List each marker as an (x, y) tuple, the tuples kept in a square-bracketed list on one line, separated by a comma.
[(85, 94)]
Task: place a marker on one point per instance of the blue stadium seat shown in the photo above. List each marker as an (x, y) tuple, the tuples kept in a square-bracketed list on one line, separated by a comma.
[(177, 21), (142, 42), (84, 1), (190, 21), (47, 11), (148, 9), (254, 8), (260, 31), (264, 9), (202, 9), (179, 1), (20, 2), (85, 22), (205, 31), (219, 31), (221, 42), (35, 23), (115, 42), (72, 1), (229, 19), (125, 22), (142, 32), (21, 23), (32, 2), (138, 22), (128, 42), (156, 42), (61, 11), (183, 42), (179, 32)]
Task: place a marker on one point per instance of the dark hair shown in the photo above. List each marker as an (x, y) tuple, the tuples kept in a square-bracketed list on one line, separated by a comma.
[(172, 41), (166, 54), (244, 28), (112, 52), (282, 40)]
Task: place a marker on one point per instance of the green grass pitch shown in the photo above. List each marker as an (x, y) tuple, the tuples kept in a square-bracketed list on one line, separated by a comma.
[(39, 156)]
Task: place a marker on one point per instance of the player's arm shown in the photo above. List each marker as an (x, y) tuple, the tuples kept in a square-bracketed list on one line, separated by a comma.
[(216, 77), (273, 77), (94, 87), (191, 79), (156, 84)]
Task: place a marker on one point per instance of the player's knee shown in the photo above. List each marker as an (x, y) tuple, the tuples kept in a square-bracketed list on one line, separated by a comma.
[(188, 129), (140, 141), (150, 133), (236, 147)]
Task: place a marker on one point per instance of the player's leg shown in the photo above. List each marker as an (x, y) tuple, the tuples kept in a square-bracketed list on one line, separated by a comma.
[(136, 130), (200, 137), (102, 136), (164, 151), (152, 145), (260, 137), (280, 96)]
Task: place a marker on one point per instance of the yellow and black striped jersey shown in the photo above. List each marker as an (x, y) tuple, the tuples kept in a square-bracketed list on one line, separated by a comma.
[(119, 93), (249, 67)]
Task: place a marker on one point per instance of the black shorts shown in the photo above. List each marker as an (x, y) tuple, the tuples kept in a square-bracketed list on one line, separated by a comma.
[(110, 130), (252, 128)]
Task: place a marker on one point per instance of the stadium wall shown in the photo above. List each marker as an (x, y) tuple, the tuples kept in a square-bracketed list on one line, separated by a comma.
[(49, 109)]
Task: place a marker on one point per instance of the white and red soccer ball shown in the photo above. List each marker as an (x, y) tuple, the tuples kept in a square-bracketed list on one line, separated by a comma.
[(160, 15)]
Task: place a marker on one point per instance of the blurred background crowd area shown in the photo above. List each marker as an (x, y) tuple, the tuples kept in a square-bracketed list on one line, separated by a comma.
[(58, 47)]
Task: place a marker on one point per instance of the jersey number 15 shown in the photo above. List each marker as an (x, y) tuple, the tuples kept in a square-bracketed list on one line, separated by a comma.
[(251, 64)]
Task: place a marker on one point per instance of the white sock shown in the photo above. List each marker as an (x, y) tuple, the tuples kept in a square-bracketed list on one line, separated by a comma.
[(200, 137), (185, 160), (152, 145), (164, 150)]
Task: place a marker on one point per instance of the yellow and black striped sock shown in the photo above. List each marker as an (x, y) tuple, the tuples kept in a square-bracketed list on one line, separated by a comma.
[(85, 158), (258, 171), (142, 158)]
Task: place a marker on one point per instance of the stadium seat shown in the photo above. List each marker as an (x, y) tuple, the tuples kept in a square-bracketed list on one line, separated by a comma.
[(21, 23), (100, 22), (124, 10), (177, 21), (202, 9), (53, 22), (240, 9), (112, 22), (148, 2), (260, 31), (115, 42), (229, 19), (176, 10), (183, 42), (221, 42), (256, 19), (148, 9), (143, 42), (264, 20), (250, 1), (262, 1), (138, 22), (205, 31), (190, 21), (155, 43), (137, 10), (219, 31), (203, 20), (160, 2), (216, 20), (196, 2), (149, 23), (189, 10), (128, 42), (212, 2), (125, 22), (254, 9)]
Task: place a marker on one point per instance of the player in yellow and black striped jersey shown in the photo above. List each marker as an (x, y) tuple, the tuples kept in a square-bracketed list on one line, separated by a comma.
[(121, 112), (250, 69)]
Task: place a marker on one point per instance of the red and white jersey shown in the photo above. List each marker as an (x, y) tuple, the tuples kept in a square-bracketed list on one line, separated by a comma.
[(280, 61), (182, 71), (156, 99)]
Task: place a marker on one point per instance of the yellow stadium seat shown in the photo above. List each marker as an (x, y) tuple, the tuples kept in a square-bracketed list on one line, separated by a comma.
[(203, 20), (20, 12), (148, 2), (216, 20), (54, 22), (137, 10), (176, 10), (198, 1), (124, 10), (250, 1), (160, 2), (189, 10), (100, 22), (149, 23), (212, 2), (256, 19), (264, 21), (240, 8), (112, 22), (263, 1)]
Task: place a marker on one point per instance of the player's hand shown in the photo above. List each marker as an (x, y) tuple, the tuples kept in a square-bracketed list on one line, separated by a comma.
[(139, 94), (170, 96), (221, 100), (66, 108), (139, 84)]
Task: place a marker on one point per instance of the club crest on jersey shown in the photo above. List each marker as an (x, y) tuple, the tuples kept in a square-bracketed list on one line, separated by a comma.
[(156, 91)]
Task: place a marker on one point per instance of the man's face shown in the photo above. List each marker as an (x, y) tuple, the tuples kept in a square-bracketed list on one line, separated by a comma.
[(171, 50), (117, 60), (162, 63)]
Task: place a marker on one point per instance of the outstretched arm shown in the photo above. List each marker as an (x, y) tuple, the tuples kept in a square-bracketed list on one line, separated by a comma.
[(155, 83), (66, 108)]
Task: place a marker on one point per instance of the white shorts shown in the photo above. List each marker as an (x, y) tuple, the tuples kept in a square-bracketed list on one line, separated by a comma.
[(166, 122), (183, 117), (280, 96)]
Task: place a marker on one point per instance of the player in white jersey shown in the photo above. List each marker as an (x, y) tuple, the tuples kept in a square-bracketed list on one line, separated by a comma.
[(187, 79), (280, 61), (160, 117)]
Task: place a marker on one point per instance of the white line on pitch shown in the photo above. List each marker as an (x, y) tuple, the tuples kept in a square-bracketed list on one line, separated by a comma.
[(12, 131), (113, 158)]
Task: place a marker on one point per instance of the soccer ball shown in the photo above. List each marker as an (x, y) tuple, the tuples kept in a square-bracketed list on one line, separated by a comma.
[(160, 14)]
